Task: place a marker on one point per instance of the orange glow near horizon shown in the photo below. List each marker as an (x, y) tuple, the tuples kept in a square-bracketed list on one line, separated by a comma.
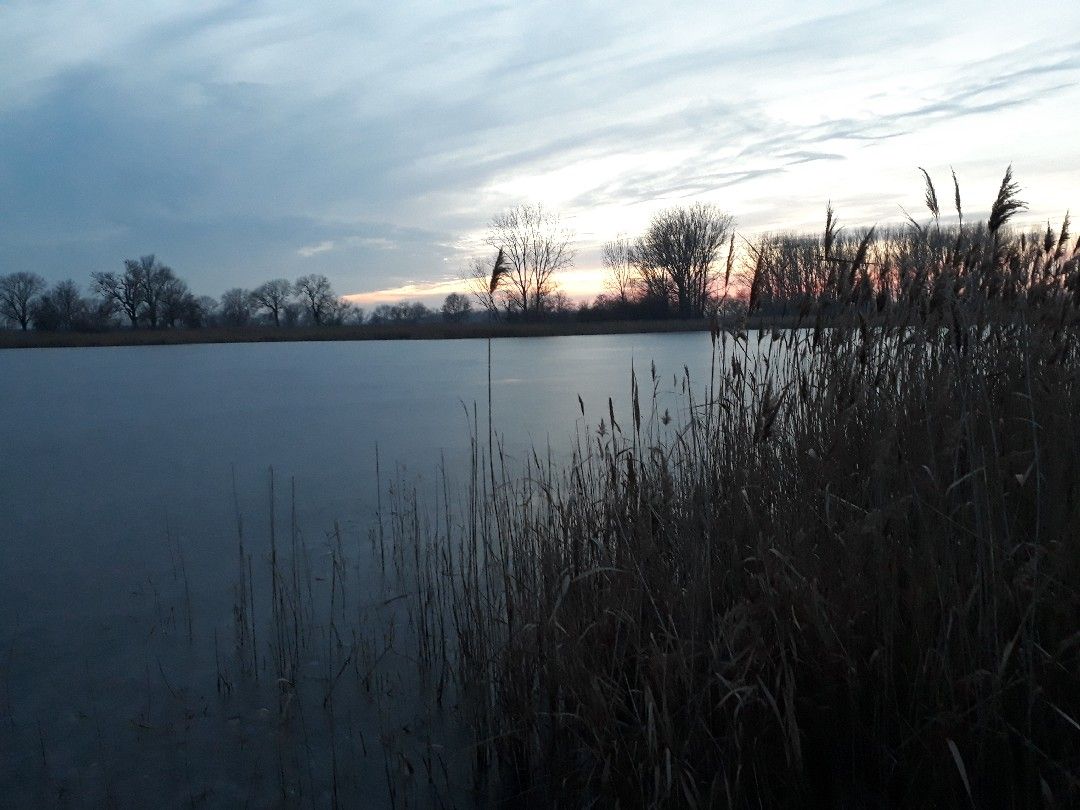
[(580, 284)]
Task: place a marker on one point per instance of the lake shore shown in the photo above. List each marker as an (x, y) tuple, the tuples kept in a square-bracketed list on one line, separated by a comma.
[(404, 331)]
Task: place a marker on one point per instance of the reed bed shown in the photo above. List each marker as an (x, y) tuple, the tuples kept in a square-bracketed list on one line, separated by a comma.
[(844, 573)]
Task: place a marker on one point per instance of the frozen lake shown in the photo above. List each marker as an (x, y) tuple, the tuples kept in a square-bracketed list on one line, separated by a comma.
[(116, 462)]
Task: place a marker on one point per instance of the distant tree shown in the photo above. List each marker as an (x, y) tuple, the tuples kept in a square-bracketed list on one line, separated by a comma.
[(155, 282), (478, 279), (401, 312), (205, 312), (731, 307), (45, 315), (98, 316), (350, 314), (604, 307), (456, 307), (316, 295), (383, 313), (143, 291), (70, 305), (272, 296), (176, 304), (340, 312), (61, 309), (677, 256), (124, 290), (417, 312), (620, 260), (559, 305), (18, 293), (535, 247), (236, 307), (409, 312), (128, 289), (187, 312), (162, 288), (291, 314), (603, 301)]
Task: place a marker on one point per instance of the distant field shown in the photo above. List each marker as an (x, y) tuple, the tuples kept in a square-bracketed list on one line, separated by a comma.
[(416, 331)]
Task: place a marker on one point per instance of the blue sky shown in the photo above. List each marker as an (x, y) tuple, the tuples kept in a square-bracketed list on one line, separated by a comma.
[(242, 141)]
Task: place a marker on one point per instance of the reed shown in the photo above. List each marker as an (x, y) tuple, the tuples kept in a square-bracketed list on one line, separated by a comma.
[(845, 575)]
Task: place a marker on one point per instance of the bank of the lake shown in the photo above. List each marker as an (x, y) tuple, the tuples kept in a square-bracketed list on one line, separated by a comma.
[(405, 331)]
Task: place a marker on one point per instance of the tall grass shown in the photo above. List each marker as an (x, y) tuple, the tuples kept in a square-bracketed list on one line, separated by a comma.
[(847, 576), (843, 573)]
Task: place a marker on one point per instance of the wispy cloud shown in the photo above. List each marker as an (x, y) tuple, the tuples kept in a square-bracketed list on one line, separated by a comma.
[(313, 250), (376, 242)]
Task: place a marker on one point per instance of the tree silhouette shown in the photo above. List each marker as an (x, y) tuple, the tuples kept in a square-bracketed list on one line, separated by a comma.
[(18, 293)]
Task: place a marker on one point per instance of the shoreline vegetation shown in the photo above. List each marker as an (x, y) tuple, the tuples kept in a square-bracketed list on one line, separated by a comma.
[(845, 574), (840, 572), (404, 331)]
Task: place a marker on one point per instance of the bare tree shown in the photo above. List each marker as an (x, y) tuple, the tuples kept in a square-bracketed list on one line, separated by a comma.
[(559, 304), (619, 258), (45, 315), (60, 309), (206, 310), (272, 297), (401, 312), (383, 313), (158, 283), (478, 279), (291, 314), (99, 315), (456, 307), (418, 311), (535, 246), (236, 307), (124, 290), (176, 303), (339, 312), (317, 296), (677, 256), (352, 314), (190, 313), (140, 290), (18, 293), (69, 303)]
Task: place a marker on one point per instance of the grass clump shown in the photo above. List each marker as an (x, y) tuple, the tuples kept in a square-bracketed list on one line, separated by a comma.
[(846, 576)]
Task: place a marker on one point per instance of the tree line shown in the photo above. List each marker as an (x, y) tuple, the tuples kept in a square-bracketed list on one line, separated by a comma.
[(147, 294), (685, 264), (669, 272)]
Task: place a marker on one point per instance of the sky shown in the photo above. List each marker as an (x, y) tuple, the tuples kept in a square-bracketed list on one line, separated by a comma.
[(243, 141)]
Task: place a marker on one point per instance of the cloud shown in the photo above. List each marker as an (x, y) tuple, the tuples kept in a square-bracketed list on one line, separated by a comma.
[(803, 156), (376, 242), (311, 250)]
